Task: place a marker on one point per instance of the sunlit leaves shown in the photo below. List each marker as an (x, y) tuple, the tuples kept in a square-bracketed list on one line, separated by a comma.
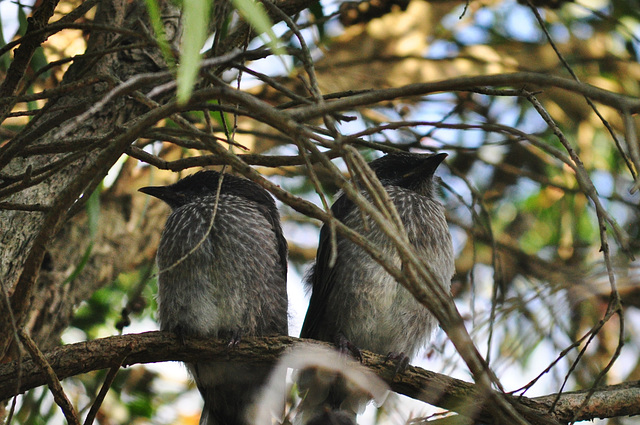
[(195, 18), (158, 28), (255, 14)]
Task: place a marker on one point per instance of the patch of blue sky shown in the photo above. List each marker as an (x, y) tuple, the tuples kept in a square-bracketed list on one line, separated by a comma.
[(459, 238), (333, 28), (437, 105), (480, 174), (271, 66), (524, 189), (153, 148), (633, 26), (457, 189), (622, 214), (532, 122), (521, 25), (470, 139), (298, 298), (310, 36), (330, 6), (485, 17), (457, 195), (492, 153), (513, 368), (9, 15), (304, 235), (515, 20), (504, 110), (618, 45), (467, 32), (398, 136), (441, 49), (547, 253), (559, 33), (629, 354), (626, 192), (294, 183), (471, 35), (581, 30), (603, 181), (284, 149), (351, 127), (512, 371)]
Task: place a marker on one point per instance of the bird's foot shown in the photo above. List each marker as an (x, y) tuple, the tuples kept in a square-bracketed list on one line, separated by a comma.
[(180, 334), (401, 358), (347, 347), (236, 337)]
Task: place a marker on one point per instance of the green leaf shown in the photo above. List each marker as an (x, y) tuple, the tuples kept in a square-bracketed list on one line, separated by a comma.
[(158, 29), (318, 13), (93, 211), (254, 13), (195, 18), (222, 118), (22, 18), (93, 215)]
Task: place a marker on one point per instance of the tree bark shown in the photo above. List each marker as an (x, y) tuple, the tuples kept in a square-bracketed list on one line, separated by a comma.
[(420, 384), (59, 182)]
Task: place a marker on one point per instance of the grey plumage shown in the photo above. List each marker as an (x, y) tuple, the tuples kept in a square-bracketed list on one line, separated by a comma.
[(357, 300), (222, 279)]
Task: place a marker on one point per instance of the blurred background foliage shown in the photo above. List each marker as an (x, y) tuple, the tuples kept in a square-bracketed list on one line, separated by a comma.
[(530, 279)]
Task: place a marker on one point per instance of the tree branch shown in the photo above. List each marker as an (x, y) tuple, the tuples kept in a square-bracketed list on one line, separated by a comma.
[(420, 384), (516, 79), (23, 54)]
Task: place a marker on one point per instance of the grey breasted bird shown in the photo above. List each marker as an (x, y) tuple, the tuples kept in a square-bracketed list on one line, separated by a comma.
[(356, 302), (224, 278)]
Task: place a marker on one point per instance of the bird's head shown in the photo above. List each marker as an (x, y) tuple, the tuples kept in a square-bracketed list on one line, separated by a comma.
[(408, 170), (188, 189), (205, 183)]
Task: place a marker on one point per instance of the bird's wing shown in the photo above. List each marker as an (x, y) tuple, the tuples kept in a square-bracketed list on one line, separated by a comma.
[(322, 277), (273, 217), (254, 192)]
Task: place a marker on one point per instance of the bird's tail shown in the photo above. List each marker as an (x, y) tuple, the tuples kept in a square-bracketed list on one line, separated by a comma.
[(229, 390), (225, 405)]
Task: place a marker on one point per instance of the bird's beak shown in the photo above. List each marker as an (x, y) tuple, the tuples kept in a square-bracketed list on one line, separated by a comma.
[(427, 167), (163, 193)]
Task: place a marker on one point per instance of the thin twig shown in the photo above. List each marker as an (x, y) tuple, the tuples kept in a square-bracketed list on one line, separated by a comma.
[(52, 379), (106, 385)]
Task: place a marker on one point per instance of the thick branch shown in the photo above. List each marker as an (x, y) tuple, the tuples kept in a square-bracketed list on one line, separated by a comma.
[(430, 387), (528, 80)]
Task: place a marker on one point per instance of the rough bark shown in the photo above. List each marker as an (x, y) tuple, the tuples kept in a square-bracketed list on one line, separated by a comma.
[(430, 387), (34, 179)]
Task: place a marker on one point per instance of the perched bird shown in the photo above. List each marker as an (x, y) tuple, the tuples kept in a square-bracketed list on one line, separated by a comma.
[(356, 303), (222, 264)]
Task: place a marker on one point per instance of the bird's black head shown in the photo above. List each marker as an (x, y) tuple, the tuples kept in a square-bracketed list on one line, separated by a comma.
[(408, 170), (205, 183)]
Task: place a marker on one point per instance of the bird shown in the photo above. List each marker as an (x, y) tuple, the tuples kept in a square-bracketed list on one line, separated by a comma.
[(355, 303), (222, 270)]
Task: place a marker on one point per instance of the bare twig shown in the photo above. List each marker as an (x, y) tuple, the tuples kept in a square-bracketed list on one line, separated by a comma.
[(51, 378)]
